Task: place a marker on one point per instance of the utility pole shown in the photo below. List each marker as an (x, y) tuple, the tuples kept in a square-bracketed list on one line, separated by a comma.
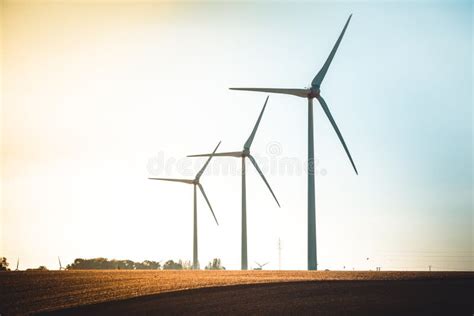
[(279, 254)]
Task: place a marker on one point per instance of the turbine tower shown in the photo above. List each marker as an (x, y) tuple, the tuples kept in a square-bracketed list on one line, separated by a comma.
[(17, 263), (195, 182), (60, 265), (245, 153), (311, 93)]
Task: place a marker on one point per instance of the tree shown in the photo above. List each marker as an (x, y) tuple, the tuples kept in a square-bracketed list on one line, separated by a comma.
[(171, 265), (40, 268), (4, 264), (215, 264), (187, 265), (147, 265), (106, 264), (152, 265)]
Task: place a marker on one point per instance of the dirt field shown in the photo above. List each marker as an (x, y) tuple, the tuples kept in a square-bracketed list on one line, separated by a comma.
[(333, 292)]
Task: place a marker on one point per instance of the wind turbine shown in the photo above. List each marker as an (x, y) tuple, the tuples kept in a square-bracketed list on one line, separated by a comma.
[(60, 265), (260, 266), (195, 182), (310, 93), (245, 153), (17, 263)]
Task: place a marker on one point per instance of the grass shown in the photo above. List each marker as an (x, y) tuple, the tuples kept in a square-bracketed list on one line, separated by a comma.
[(36, 291)]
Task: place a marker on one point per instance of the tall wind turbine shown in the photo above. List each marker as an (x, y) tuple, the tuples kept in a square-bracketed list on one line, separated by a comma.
[(245, 153), (17, 263), (311, 93), (195, 182)]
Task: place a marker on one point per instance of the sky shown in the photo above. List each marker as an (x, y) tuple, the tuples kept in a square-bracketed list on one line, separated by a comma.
[(98, 96)]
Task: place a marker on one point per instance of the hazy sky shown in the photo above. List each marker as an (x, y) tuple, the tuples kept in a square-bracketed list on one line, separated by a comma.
[(96, 97)]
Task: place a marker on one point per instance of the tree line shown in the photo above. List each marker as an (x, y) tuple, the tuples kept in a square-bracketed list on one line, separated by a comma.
[(106, 264)]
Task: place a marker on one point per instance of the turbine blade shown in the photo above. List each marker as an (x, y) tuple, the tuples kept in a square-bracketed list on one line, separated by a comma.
[(207, 162), (249, 141), (303, 93), (320, 76), (210, 207), (229, 154), (173, 180), (334, 125), (263, 177)]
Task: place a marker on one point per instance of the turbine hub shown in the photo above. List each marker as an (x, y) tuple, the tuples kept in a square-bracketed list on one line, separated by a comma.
[(246, 152), (313, 93)]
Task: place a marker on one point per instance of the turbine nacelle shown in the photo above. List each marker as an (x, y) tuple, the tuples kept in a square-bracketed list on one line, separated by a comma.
[(314, 92)]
